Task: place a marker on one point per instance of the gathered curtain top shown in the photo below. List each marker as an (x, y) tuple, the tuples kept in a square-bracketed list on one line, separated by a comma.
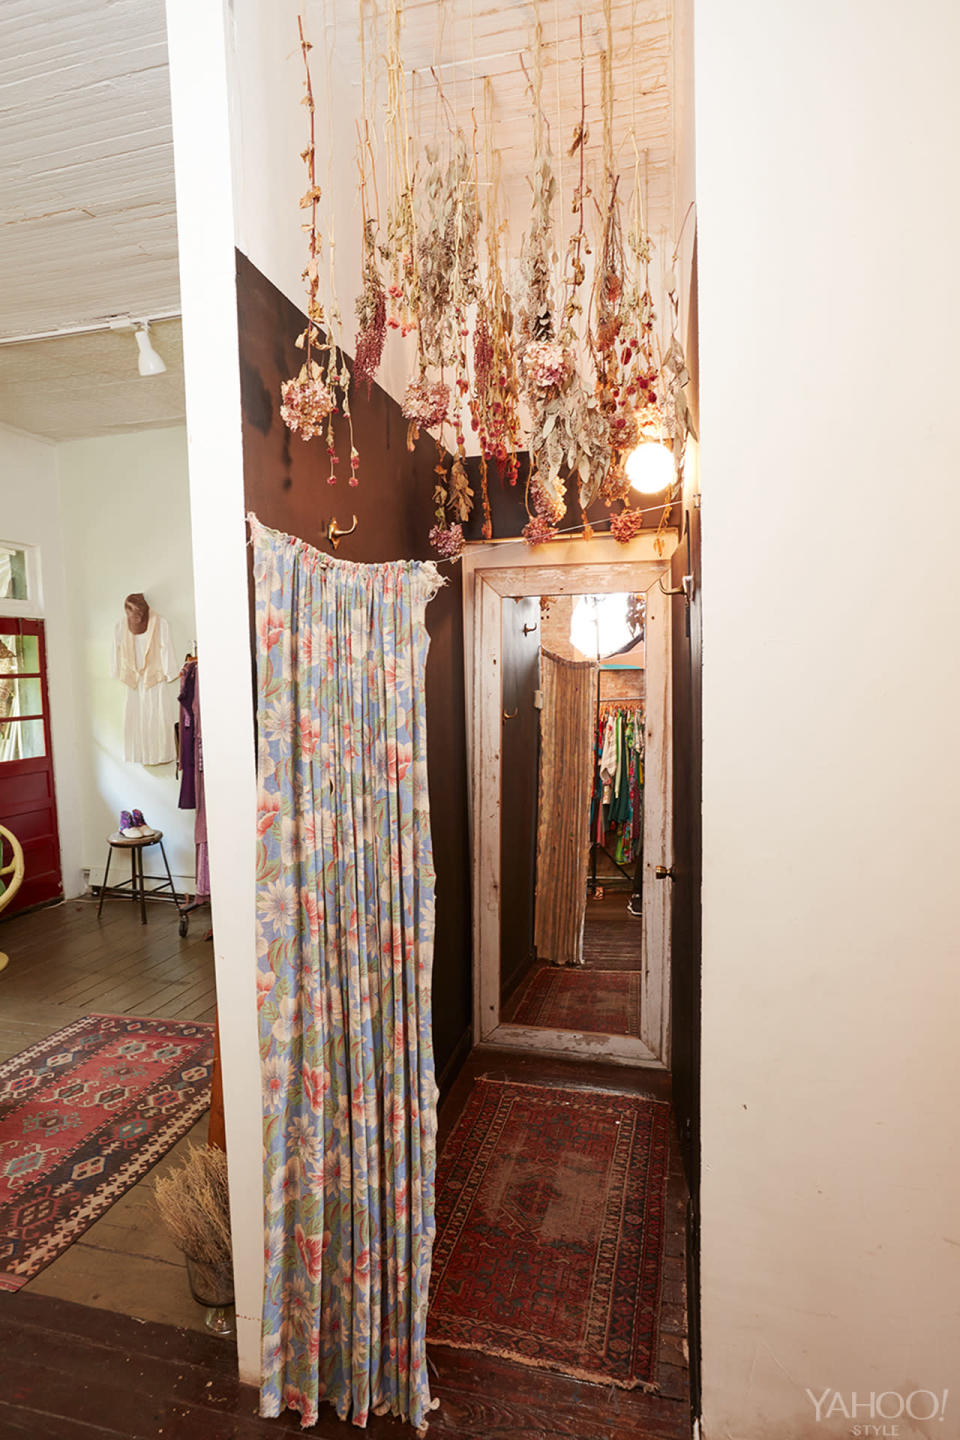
[(423, 574), (570, 664)]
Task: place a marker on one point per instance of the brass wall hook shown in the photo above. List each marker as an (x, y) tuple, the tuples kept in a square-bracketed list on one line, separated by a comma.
[(335, 536)]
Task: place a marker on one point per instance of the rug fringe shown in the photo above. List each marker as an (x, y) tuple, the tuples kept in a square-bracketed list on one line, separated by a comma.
[(650, 1387), (579, 1090)]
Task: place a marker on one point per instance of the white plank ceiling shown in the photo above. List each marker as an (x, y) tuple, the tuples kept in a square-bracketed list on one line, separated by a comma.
[(87, 214), (87, 217), (84, 385), (463, 43)]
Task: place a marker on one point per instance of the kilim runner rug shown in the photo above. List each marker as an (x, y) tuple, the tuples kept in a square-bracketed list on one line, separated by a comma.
[(558, 997), (550, 1225), (83, 1115)]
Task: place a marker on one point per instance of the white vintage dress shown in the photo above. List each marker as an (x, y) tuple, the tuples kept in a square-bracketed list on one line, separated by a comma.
[(145, 663)]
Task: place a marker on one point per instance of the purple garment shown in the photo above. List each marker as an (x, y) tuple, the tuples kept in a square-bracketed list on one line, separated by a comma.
[(200, 829), (188, 737)]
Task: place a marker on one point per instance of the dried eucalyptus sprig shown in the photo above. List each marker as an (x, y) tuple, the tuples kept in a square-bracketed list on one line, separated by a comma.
[(447, 225), (494, 397)]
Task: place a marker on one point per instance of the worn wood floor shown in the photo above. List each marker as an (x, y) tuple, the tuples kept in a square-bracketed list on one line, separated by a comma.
[(612, 937), (64, 963), (69, 1371)]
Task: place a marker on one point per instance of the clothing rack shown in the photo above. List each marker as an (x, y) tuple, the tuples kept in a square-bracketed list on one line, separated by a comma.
[(602, 707)]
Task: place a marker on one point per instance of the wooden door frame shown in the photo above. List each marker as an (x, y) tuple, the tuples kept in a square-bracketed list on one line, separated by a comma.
[(36, 625), (597, 566)]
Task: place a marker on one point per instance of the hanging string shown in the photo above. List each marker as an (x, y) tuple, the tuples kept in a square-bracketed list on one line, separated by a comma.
[(560, 202), (565, 530)]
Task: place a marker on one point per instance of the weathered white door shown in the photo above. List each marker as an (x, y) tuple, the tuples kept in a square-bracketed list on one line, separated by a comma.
[(491, 574)]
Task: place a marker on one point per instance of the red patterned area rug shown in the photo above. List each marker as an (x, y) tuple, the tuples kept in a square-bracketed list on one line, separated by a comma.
[(560, 997), (84, 1114), (550, 1225)]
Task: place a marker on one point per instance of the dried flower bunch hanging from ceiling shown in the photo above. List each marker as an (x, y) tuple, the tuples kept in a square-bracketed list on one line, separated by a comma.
[(322, 385), (538, 360)]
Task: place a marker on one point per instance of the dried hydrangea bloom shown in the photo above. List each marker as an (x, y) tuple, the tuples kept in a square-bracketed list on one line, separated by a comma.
[(447, 540), (546, 364), (624, 430), (538, 531), (425, 403), (627, 525), (306, 403)]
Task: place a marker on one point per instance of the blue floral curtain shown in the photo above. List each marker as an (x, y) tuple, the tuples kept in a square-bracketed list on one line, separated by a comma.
[(345, 918)]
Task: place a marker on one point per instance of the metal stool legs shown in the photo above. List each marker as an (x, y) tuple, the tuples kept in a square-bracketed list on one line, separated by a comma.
[(184, 922), (136, 886), (106, 877), (139, 886)]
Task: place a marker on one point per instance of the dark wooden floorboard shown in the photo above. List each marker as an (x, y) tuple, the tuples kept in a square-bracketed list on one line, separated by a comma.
[(72, 1372), (612, 937), (65, 962)]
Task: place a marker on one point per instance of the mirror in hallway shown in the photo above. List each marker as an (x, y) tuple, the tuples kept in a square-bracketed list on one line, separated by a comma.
[(572, 811)]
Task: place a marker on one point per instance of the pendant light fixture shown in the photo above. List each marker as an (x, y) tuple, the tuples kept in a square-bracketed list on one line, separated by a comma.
[(650, 467), (148, 361)]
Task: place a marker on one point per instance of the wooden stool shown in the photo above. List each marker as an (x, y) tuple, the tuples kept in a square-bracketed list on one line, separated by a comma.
[(134, 887)]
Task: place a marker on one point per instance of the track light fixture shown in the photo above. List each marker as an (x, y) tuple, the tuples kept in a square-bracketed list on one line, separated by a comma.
[(148, 361)]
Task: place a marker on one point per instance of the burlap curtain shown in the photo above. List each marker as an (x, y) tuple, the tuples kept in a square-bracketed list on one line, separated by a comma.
[(563, 824)]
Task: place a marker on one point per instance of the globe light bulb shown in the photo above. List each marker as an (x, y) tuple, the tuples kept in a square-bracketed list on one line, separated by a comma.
[(650, 468)]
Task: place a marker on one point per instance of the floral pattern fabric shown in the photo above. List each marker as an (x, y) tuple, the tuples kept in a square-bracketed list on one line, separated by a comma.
[(345, 920)]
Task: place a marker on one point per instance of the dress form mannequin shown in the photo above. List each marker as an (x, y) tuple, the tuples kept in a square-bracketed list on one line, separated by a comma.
[(143, 661), (138, 613)]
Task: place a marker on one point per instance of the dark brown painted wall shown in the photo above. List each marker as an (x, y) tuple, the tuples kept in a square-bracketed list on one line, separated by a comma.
[(286, 486), (508, 506), (520, 768)]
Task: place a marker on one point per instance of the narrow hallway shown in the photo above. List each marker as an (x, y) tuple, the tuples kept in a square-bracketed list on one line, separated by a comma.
[(69, 1370), (485, 1394)]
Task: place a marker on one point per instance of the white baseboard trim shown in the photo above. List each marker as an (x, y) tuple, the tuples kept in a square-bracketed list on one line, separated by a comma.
[(185, 884)]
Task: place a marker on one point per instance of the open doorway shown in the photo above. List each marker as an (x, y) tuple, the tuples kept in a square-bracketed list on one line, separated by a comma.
[(96, 510), (538, 718), (569, 662)]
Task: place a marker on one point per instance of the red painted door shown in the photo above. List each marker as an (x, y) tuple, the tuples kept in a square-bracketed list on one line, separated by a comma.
[(28, 804)]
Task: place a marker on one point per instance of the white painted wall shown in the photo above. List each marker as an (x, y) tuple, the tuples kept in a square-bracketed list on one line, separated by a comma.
[(197, 41), (126, 510), (30, 513), (269, 129), (829, 293)]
